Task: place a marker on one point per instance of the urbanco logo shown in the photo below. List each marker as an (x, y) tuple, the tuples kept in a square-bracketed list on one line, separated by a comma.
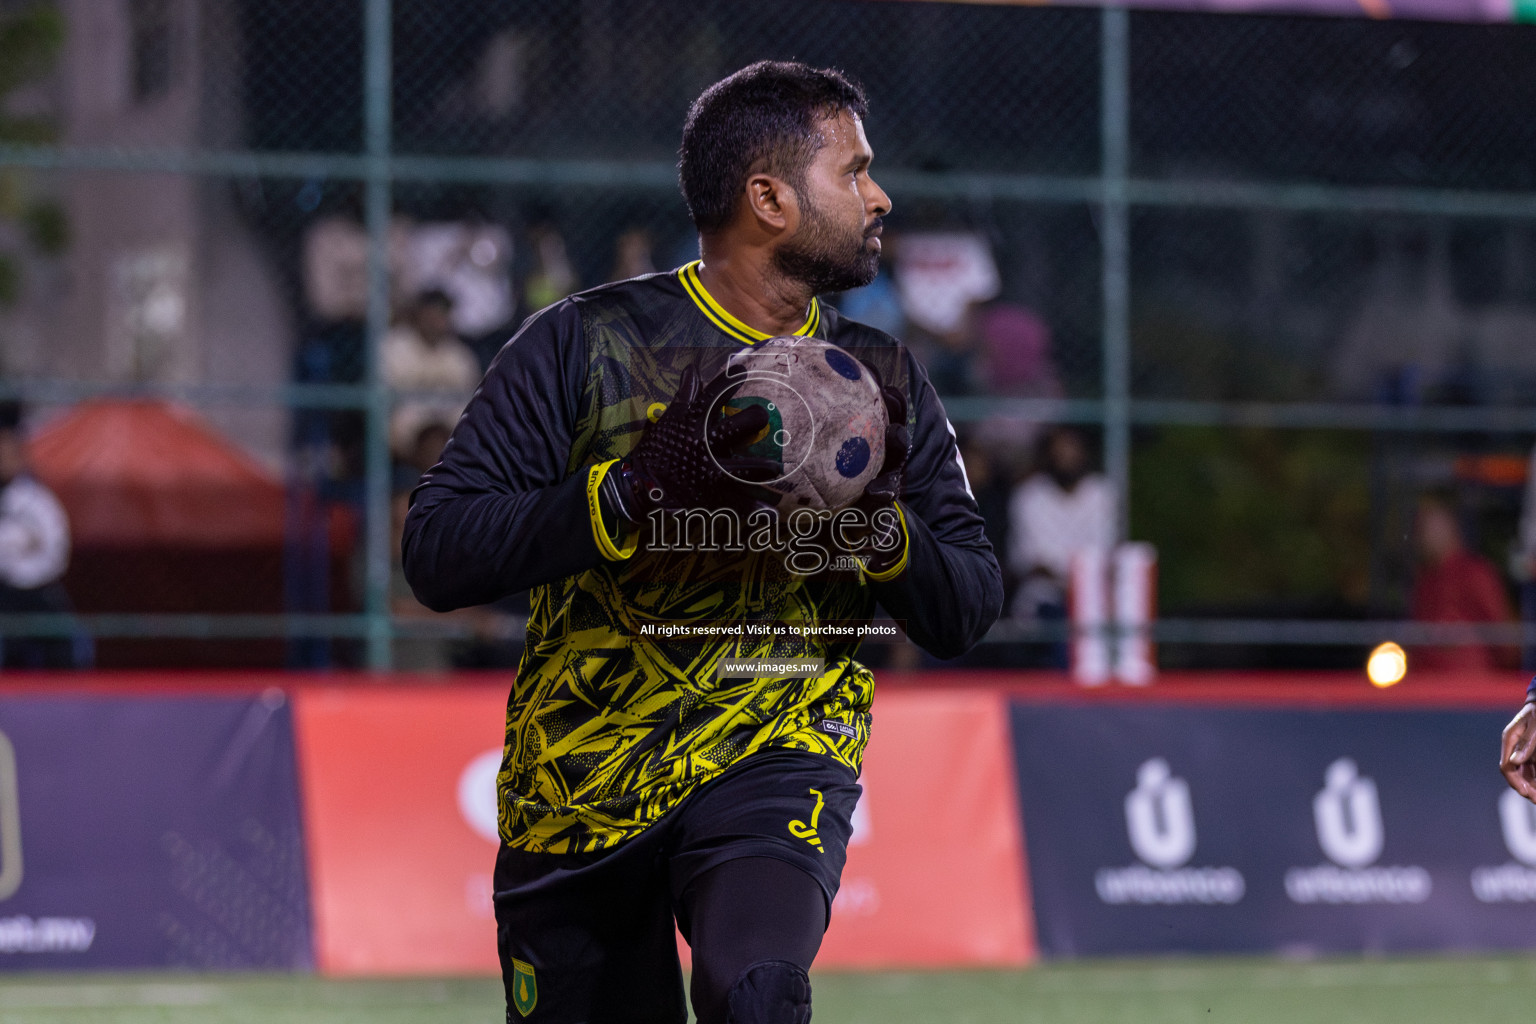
[(1160, 817), (1348, 816), (1517, 820), (1515, 880), (1346, 813), (1160, 823)]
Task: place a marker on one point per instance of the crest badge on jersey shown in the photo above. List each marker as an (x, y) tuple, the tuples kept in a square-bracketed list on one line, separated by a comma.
[(525, 987)]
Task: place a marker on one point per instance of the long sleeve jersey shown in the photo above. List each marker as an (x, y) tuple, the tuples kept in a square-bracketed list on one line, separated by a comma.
[(610, 722)]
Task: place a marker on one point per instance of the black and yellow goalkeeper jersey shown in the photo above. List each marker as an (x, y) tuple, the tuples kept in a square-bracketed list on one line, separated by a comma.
[(611, 721)]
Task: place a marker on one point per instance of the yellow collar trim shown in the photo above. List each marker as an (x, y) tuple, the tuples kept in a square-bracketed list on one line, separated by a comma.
[(688, 274)]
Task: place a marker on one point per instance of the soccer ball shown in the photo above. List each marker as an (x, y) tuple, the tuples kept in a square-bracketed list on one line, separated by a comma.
[(826, 420)]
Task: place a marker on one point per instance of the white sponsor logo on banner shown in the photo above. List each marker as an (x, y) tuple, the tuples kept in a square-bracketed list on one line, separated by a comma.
[(477, 795), (46, 934), (21, 933), (1347, 815), (1513, 882), (1160, 821), (1160, 817)]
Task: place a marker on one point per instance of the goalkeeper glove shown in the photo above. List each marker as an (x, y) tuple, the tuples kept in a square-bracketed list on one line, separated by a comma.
[(688, 458)]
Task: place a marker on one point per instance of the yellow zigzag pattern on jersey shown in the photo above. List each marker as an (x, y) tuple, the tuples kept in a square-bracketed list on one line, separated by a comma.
[(612, 729), (608, 727)]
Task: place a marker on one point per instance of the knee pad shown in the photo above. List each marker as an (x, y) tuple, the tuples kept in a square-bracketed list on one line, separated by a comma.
[(770, 992)]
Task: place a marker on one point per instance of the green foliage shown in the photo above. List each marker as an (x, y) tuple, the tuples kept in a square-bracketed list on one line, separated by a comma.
[(1179, 357), (47, 227), (1245, 516), (30, 42), (10, 280)]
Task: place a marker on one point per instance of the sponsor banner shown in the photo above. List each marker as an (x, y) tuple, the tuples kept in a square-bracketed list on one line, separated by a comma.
[(400, 809), (399, 794), (1165, 828), (935, 873), (150, 832)]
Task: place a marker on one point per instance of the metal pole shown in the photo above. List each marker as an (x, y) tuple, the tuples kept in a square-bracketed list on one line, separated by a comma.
[(376, 120), (1114, 233)]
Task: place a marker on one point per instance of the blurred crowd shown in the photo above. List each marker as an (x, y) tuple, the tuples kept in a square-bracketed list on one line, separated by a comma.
[(458, 290)]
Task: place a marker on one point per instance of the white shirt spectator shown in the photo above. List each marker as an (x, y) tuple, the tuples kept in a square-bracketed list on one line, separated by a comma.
[(34, 535), (438, 381), (1048, 524)]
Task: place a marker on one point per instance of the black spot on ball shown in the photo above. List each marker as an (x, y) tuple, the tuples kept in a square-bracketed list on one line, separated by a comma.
[(843, 363), (852, 457)]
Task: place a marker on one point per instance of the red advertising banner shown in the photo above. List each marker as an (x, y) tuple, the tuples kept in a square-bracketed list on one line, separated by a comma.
[(399, 807), (935, 874), (399, 795)]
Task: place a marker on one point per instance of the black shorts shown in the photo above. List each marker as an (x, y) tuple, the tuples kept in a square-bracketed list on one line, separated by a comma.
[(589, 937)]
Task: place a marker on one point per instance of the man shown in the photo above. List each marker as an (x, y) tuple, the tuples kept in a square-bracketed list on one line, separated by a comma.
[(1517, 755), (434, 371), (1063, 508), (34, 551), (1524, 559), (1454, 584), (638, 785)]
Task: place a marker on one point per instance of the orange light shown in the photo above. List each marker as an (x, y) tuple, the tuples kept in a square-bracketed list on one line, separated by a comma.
[(1387, 665)]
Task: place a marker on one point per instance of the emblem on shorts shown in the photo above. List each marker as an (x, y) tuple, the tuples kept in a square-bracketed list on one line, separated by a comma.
[(525, 988), (800, 830)]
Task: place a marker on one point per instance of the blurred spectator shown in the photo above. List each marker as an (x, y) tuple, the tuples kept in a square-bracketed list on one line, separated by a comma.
[(472, 263), (876, 304), (34, 552), (424, 640), (1453, 584), (424, 451), (552, 277), (411, 651), (1016, 352), (434, 371), (1525, 559), (1057, 511), (951, 357), (632, 255), (335, 266), (940, 276), (992, 488)]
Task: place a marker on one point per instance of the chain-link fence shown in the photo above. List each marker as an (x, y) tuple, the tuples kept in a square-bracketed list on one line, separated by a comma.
[(1277, 271)]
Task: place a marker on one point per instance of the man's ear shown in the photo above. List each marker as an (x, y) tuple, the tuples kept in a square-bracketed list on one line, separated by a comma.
[(772, 202)]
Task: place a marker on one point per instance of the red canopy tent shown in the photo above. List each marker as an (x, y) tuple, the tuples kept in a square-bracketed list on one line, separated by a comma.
[(167, 515), (133, 473)]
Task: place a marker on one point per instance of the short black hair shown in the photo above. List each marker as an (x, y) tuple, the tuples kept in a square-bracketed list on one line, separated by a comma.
[(10, 415), (763, 117)]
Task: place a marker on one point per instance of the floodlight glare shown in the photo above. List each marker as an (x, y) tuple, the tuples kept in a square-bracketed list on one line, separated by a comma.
[(1387, 665)]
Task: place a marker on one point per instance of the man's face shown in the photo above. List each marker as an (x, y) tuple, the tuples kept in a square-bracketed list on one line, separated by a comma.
[(435, 322), (1439, 535), (837, 245)]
